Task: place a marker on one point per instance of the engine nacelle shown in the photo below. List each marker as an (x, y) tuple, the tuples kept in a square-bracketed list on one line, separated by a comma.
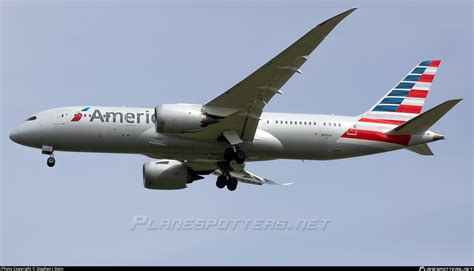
[(181, 118), (167, 175)]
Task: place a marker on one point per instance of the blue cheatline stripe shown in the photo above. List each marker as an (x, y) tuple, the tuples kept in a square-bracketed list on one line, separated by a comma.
[(392, 101), (86, 108), (386, 108), (419, 70), (398, 92), (412, 78), (405, 85), (425, 63)]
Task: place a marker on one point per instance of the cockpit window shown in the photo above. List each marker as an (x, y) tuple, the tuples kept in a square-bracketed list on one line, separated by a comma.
[(31, 118)]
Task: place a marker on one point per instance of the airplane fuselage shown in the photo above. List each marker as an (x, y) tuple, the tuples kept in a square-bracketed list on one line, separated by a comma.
[(132, 130), (219, 136)]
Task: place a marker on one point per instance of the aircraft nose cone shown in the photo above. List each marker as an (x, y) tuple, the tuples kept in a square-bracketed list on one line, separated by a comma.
[(14, 135)]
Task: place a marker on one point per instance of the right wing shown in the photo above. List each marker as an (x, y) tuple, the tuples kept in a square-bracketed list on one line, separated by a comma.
[(239, 108)]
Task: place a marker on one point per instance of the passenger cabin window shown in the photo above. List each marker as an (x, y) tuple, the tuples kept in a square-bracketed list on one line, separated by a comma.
[(31, 118)]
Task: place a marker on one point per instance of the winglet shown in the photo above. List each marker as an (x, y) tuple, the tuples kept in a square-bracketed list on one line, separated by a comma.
[(338, 18)]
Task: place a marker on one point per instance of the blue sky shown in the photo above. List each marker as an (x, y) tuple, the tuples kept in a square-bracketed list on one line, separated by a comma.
[(395, 208)]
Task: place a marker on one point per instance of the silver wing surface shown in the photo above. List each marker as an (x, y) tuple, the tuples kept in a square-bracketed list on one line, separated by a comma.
[(239, 108)]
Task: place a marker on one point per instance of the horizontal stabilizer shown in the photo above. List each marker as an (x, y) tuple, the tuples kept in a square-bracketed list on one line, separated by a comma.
[(423, 122), (422, 149)]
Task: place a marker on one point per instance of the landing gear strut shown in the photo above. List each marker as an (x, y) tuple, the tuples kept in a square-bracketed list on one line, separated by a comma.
[(48, 150)]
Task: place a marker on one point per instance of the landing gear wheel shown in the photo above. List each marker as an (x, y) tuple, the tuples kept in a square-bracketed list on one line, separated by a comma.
[(229, 155), (240, 157), (221, 181), (51, 161), (232, 184)]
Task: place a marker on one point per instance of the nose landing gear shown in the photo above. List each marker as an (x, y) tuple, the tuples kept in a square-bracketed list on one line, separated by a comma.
[(48, 150), (51, 161)]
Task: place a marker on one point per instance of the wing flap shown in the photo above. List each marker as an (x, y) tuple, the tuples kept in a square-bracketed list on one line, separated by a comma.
[(245, 176)]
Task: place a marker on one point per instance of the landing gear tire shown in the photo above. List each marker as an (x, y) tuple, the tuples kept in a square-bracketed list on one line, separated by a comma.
[(229, 155), (221, 181), (232, 184), (240, 157), (51, 162)]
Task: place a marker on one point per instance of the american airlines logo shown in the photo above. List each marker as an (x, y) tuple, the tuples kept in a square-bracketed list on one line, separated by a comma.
[(115, 117), (78, 115)]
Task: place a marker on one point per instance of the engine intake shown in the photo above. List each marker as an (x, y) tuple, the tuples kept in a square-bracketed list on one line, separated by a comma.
[(181, 118), (168, 175)]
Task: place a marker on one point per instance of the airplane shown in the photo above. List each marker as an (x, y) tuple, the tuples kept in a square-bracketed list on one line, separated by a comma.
[(219, 137)]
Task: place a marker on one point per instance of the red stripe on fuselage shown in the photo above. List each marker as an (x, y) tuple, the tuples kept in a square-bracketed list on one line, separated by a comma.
[(378, 136), (383, 121)]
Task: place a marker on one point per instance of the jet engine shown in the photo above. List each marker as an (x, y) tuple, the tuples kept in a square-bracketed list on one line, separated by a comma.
[(181, 118), (168, 175)]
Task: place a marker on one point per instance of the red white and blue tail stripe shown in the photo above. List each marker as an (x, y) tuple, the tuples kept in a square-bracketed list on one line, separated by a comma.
[(407, 98), (399, 105)]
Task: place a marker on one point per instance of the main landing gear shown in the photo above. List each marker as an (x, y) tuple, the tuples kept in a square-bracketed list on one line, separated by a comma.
[(226, 180), (237, 155), (230, 154), (48, 150)]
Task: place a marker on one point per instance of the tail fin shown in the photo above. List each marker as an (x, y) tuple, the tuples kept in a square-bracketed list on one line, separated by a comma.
[(407, 98), (423, 122)]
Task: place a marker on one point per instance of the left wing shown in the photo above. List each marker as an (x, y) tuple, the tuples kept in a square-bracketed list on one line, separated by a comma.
[(240, 107)]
